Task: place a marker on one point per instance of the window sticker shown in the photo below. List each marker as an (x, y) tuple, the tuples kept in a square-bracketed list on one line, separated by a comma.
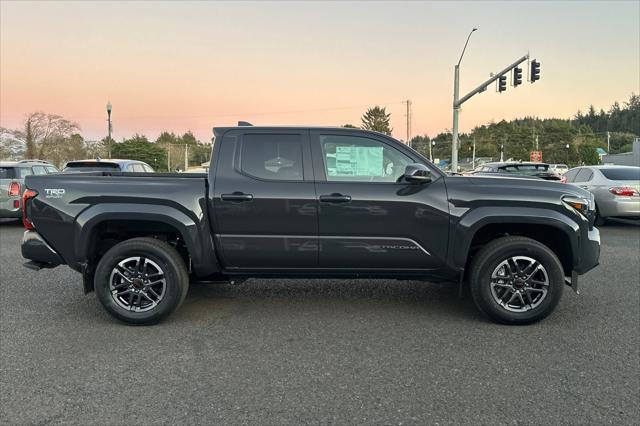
[(356, 161)]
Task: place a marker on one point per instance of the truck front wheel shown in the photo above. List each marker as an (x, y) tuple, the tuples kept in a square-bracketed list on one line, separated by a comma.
[(516, 280), (141, 280)]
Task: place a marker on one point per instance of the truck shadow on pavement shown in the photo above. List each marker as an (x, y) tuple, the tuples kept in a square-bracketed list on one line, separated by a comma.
[(325, 295)]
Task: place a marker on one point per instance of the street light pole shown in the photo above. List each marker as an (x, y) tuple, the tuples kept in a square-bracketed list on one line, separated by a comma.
[(431, 144), (456, 107), (109, 127)]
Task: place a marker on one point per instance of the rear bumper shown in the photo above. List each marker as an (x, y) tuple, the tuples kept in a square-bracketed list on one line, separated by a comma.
[(10, 214), (36, 249), (590, 252), (620, 207), (8, 209)]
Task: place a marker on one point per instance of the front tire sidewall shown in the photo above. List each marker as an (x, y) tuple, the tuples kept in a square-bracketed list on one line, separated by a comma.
[(173, 291), (485, 301)]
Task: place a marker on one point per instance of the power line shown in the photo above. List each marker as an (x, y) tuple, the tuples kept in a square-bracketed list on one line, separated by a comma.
[(231, 114)]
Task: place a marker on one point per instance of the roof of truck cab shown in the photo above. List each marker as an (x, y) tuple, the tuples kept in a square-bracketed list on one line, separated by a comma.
[(224, 129)]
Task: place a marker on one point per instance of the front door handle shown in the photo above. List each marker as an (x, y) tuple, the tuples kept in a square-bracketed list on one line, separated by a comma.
[(335, 198), (237, 197)]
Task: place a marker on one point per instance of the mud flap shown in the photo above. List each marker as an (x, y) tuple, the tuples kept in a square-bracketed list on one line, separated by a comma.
[(572, 281), (87, 278)]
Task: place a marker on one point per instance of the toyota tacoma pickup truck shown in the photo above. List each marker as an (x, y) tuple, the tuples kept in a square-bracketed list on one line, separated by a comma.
[(311, 203)]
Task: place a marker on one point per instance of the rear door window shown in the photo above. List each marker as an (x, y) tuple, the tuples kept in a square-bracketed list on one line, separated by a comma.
[(138, 168), (39, 170), (622, 173), (272, 156), (571, 174), (585, 175), (51, 169)]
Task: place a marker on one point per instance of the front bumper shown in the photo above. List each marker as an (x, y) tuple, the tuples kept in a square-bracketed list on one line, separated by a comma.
[(40, 254)]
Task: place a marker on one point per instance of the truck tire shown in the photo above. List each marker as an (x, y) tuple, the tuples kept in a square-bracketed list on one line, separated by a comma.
[(141, 280), (516, 280)]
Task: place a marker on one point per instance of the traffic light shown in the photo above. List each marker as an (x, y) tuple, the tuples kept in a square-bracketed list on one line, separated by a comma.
[(517, 76), (535, 70), (502, 83)]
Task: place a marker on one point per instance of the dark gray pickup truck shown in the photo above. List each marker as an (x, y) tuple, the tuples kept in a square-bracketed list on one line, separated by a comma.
[(311, 202)]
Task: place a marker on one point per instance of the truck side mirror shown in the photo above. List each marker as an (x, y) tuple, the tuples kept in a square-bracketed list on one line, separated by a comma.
[(417, 173)]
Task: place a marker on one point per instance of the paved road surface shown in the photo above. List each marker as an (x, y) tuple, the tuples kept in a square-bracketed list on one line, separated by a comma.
[(320, 351)]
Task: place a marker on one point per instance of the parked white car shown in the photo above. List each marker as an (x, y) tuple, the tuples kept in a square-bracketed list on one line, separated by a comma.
[(559, 168)]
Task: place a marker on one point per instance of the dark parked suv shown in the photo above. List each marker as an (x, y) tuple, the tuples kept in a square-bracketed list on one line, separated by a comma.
[(12, 174), (519, 168), (311, 202)]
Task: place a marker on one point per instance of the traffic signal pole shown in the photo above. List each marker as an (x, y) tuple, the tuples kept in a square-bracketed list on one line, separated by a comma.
[(457, 102)]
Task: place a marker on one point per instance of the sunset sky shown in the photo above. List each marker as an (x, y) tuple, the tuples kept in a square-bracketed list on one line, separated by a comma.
[(181, 66)]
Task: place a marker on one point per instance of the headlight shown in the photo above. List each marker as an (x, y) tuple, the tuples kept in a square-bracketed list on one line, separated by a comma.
[(582, 205)]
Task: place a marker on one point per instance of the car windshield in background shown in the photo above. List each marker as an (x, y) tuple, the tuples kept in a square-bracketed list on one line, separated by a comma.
[(91, 167), (622, 173), (526, 169)]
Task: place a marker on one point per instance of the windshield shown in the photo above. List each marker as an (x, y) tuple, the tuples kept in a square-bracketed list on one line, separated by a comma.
[(91, 167), (622, 173)]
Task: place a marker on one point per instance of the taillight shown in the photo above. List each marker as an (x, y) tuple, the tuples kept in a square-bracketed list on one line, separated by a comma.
[(28, 194), (14, 189), (624, 191)]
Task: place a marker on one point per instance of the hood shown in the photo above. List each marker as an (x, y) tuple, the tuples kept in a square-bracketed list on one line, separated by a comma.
[(526, 185)]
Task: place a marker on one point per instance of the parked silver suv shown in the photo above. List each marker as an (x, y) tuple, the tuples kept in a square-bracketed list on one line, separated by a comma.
[(12, 176)]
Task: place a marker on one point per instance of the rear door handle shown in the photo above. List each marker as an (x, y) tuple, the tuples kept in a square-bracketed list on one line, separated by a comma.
[(237, 197), (335, 198)]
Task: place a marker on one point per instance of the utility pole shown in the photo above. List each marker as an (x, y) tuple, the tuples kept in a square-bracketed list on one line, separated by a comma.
[(109, 127), (169, 157), (608, 142), (537, 149), (186, 157), (473, 158), (408, 102), (458, 101)]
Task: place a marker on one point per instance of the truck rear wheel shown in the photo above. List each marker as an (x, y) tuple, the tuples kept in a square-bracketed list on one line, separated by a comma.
[(141, 280), (516, 280)]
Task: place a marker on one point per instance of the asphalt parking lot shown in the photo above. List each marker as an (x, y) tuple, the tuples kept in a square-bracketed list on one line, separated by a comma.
[(320, 351)]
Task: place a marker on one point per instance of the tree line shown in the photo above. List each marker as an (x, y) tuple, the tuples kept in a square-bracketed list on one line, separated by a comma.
[(53, 138), (573, 141)]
